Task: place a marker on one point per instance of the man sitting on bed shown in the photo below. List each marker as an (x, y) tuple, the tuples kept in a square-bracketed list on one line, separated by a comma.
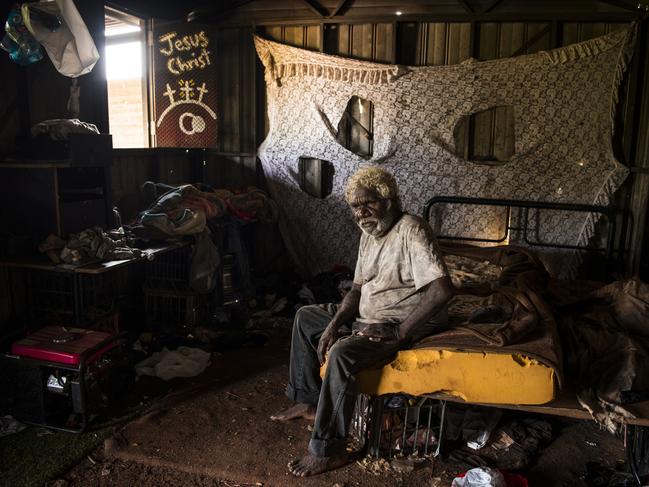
[(400, 291)]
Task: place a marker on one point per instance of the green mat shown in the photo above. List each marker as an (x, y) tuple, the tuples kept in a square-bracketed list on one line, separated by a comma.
[(27, 459), (36, 455)]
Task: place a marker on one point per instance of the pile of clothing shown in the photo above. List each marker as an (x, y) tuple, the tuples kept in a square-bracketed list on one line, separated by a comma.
[(189, 210), (90, 245)]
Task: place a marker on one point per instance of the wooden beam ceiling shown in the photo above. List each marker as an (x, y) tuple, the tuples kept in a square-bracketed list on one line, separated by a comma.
[(227, 12), (315, 6), (491, 6), (466, 6), (622, 4), (341, 7), (213, 13)]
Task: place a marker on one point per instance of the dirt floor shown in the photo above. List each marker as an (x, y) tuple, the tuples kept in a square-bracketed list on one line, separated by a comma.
[(213, 430)]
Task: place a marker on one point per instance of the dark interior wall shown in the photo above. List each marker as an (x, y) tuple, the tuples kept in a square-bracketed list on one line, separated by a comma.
[(13, 103)]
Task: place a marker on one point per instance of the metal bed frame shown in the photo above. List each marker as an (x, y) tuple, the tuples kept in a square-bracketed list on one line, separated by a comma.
[(610, 212)]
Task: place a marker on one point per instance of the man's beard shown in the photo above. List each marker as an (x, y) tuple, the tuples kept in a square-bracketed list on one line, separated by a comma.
[(376, 227)]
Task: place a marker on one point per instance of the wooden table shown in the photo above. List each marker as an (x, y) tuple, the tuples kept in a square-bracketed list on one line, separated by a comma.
[(79, 274)]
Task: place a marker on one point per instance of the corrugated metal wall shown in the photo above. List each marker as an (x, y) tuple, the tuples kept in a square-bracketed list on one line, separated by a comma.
[(416, 43)]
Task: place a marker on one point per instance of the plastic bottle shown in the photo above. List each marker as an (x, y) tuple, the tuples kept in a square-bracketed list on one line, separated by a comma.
[(18, 42)]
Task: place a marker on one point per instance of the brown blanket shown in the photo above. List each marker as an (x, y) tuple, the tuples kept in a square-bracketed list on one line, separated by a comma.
[(512, 315), (606, 337)]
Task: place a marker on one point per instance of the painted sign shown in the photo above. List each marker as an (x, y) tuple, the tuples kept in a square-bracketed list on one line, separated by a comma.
[(184, 85)]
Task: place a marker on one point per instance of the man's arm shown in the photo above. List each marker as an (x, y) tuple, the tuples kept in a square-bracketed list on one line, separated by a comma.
[(347, 312), (434, 298)]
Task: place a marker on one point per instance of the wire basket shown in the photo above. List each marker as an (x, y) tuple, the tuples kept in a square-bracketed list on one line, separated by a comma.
[(395, 425), (169, 270)]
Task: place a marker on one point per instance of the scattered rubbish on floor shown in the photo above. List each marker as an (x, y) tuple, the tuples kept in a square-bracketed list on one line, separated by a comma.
[(467, 457), (400, 464), (306, 295), (182, 362), (488, 477), (408, 464), (502, 441), (479, 427), (606, 476), (424, 437), (10, 426), (480, 477), (375, 466), (278, 306), (507, 445)]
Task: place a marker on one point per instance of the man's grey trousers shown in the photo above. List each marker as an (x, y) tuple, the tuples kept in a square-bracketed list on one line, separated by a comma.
[(335, 394)]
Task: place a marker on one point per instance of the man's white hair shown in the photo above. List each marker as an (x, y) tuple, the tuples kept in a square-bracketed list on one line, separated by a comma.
[(375, 179)]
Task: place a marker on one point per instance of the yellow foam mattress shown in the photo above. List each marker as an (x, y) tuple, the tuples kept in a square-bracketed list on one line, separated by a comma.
[(479, 377)]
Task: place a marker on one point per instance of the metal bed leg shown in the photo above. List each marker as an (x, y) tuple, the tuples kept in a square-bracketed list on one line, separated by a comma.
[(376, 425), (442, 421)]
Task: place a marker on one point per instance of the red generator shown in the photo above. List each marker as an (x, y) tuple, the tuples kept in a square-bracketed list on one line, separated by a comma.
[(61, 377)]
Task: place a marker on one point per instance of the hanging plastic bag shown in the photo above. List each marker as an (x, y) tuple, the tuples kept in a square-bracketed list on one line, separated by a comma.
[(70, 45), (23, 49)]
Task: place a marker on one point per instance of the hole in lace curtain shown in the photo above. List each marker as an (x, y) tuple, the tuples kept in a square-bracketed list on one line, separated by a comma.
[(355, 132), (315, 176), (486, 137)]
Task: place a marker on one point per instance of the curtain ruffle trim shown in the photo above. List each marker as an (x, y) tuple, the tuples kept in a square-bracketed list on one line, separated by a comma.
[(282, 61), (591, 47)]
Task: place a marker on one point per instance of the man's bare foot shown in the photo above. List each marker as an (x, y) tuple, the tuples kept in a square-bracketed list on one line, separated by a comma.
[(312, 465), (306, 411)]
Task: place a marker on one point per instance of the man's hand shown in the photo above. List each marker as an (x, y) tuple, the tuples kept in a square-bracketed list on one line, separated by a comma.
[(327, 340), (347, 312)]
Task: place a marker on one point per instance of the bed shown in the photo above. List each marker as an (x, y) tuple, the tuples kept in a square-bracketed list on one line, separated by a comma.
[(523, 373), (480, 361)]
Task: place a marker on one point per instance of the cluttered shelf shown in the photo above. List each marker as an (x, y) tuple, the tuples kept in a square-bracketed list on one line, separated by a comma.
[(99, 295), (41, 262)]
